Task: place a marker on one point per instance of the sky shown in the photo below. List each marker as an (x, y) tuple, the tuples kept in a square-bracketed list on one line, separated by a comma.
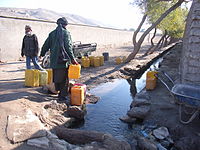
[(117, 13)]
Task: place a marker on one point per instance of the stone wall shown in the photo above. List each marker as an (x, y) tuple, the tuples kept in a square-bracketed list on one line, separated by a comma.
[(190, 64), (12, 32)]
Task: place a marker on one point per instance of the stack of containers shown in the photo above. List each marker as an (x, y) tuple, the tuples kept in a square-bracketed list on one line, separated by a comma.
[(151, 80), (78, 91)]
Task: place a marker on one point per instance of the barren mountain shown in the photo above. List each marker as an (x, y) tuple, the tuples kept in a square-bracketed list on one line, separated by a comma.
[(49, 15)]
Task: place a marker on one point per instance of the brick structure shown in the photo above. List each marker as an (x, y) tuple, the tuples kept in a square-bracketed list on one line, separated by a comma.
[(190, 62)]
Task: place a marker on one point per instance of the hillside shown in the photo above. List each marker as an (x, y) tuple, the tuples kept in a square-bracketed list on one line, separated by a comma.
[(49, 15)]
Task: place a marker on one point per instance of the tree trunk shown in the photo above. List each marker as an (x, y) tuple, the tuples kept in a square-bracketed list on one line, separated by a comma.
[(158, 44), (152, 43), (190, 64), (140, 41), (138, 29)]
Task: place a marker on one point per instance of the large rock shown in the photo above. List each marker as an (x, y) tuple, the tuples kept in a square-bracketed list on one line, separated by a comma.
[(86, 137), (76, 112), (139, 112), (145, 144), (142, 95), (111, 143), (21, 128), (139, 102), (127, 119), (79, 136), (42, 142)]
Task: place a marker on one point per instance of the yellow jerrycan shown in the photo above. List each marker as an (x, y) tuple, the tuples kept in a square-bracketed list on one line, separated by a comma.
[(151, 80), (77, 95), (118, 60), (50, 76), (101, 60), (96, 61), (85, 62), (91, 60), (43, 78), (32, 77), (74, 71), (124, 59)]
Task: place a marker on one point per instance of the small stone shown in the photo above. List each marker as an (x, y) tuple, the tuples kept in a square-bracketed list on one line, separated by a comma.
[(161, 133), (42, 142), (127, 119)]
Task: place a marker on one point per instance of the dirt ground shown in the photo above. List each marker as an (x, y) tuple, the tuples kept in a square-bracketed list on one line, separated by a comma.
[(15, 98)]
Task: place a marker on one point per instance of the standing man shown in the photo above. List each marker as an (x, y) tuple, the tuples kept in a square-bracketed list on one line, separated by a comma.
[(61, 54), (30, 48)]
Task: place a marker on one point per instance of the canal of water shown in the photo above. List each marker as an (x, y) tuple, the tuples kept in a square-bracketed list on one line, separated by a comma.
[(115, 101)]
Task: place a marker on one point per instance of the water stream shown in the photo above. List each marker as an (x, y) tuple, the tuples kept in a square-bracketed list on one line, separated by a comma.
[(114, 103)]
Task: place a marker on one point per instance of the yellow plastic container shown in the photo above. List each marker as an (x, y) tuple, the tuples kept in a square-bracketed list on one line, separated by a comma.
[(151, 74), (151, 83), (118, 60), (85, 62), (91, 60), (77, 95), (43, 78), (124, 59), (151, 80), (50, 76), (101, 60), (32, 77), (96, 61), (74, 71)]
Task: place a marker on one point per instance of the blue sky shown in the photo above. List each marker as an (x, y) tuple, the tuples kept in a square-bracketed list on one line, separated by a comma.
[(118, 13)]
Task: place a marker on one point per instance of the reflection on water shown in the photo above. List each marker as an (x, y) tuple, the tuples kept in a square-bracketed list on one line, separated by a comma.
[(114, 103)]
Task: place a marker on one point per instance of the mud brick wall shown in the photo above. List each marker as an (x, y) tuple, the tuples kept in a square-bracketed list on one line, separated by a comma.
[(12, 32)]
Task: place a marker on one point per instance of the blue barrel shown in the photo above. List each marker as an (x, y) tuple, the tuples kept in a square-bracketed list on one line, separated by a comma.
[(106, 56)]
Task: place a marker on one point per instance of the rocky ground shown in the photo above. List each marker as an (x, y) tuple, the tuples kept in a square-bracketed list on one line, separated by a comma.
[(17, 101)]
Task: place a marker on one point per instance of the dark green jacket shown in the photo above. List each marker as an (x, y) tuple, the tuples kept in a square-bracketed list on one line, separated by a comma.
[(52, 44)]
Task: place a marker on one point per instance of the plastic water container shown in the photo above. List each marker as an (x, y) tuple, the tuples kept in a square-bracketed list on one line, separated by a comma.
[(151, 74), (151, 80), (91, 60), (74, 71), (118, 60), (124, 59), (101, 60), (84, 87), (106, 56), (77, 95), (85, 62), (50, 76), (151, 83), (43, 78), (32, 77), (96, 61)]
